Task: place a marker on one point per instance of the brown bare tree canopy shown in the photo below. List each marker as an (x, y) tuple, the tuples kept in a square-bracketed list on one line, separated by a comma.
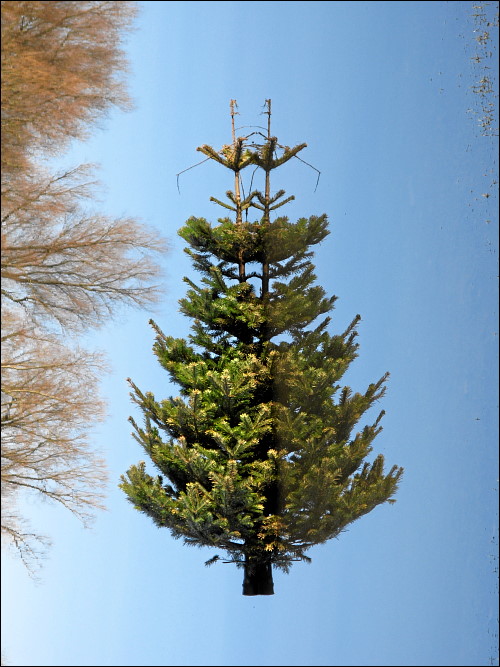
[(65, 267), (49, 398), (68, 264), (62, 69)]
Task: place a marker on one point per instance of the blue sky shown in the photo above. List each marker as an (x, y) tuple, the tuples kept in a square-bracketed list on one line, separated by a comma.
[(381, 92)]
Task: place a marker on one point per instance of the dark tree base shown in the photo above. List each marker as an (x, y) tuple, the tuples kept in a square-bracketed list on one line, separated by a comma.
[(258, 579)]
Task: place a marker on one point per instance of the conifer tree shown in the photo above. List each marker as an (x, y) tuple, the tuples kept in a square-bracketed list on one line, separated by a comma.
[(257, 455)]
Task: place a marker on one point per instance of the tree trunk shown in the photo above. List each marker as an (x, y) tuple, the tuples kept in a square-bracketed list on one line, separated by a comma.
[(258, 579)]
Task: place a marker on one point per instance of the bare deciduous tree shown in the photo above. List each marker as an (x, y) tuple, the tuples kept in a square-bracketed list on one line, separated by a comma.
[(49, 398), (62, 69), (68, 264), (64, 266)]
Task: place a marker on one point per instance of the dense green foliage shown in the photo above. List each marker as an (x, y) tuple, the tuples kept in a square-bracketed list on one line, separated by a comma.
[(257, 455)]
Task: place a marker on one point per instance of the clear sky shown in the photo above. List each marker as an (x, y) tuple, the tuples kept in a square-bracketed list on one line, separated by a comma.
[(381, 92)]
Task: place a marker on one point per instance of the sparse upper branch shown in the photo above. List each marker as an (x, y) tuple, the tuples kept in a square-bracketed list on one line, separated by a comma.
[(233, 156)]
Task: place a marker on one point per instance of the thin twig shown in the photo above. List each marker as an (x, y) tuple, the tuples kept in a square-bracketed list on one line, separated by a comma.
[(310, 165), (184, 170), (242, 127)]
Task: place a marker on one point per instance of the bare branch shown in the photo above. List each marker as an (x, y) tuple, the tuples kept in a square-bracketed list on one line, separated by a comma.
[(49, 398), (184, 171), (310, 165), (62, 69), (73, 267)]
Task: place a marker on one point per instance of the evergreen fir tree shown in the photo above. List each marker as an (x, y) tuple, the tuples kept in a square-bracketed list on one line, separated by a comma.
[(257, 455)]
